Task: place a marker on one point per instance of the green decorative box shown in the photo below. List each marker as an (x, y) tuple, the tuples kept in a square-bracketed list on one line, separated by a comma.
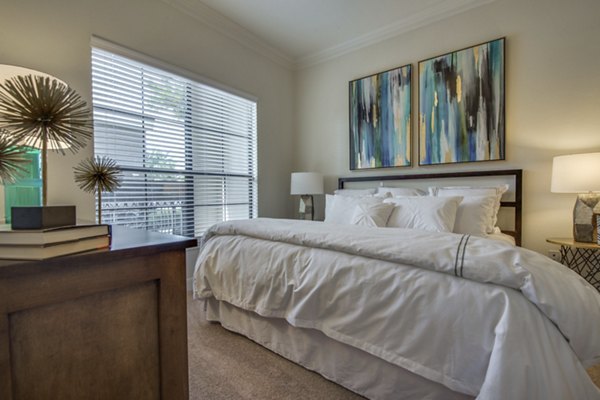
[(42, 217)]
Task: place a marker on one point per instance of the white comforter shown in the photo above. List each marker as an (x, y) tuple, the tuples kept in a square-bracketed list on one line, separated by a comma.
[(479, 316)]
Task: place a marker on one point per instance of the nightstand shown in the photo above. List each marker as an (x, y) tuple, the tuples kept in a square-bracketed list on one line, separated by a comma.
[(583, 258), (105, 324)]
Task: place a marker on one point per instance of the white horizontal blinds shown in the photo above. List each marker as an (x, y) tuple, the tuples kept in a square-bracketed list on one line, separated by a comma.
[(187, 150)]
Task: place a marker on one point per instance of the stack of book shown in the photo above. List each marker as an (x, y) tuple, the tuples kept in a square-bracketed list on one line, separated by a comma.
[(39, 244)]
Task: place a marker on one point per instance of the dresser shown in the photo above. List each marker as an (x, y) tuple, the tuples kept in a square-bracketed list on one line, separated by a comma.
[(107, 324)]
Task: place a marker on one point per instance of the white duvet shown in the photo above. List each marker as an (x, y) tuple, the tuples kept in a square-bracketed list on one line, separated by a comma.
[(479, 316)]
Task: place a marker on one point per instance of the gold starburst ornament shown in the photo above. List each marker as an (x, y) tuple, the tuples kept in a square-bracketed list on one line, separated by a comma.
[(12, 159), (44, 113), (97, 175)]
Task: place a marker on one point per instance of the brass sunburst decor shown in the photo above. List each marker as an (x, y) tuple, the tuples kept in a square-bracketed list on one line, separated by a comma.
[(44, 113), (97, 175), (12, 159)]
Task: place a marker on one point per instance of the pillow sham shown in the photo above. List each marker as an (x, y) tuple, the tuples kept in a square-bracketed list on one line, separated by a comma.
[(496, 191), (340, 209), (475, 215), (428, 213), (399, 191), (371, 214)]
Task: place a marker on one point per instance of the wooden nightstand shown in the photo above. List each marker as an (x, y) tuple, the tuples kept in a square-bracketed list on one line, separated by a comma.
[(106, 324), (583, 258)]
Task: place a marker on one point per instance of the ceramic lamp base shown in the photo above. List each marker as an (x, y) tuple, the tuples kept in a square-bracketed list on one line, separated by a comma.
[(306, 210), (584, 229), (42, 217)]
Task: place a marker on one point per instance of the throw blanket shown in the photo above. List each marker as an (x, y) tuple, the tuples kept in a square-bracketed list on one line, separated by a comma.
[(477, 315)]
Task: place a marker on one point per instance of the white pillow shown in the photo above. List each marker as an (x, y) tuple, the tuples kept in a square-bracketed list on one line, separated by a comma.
[(340, 209), (424, 212), (371, 214), (354, 192), (475, 215), (399, 191), (497, 191)]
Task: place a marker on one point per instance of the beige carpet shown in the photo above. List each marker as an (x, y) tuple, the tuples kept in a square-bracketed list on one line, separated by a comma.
[(228, 366)]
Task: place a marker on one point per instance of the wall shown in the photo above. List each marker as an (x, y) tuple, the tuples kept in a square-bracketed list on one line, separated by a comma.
[(54, 37), (552, 97)]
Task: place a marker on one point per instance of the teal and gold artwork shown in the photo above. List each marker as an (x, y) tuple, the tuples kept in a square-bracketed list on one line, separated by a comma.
[(380, 124), (461, 106)]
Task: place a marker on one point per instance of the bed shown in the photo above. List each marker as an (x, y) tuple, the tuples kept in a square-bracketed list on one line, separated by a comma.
[(399, 313)]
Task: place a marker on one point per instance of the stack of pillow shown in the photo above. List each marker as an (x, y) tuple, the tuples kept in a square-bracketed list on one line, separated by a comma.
[(459, 209)]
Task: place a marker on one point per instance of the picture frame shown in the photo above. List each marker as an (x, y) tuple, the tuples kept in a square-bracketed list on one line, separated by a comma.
[(380, 119), (462, 105)]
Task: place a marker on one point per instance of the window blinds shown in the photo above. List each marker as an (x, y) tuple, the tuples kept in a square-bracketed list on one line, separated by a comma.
[(187, 150)]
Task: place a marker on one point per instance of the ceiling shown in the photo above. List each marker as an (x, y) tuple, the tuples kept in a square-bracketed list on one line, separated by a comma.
[(304, 32)]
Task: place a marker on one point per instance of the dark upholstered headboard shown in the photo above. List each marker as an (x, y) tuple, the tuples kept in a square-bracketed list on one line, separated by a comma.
[(515, 175)]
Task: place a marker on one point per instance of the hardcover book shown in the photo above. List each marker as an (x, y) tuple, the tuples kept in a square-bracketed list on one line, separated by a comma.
[(41, 252), (47, 236)]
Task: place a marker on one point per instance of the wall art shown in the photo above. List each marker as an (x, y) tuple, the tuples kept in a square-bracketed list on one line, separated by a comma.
[(380, 121), (461, 105)]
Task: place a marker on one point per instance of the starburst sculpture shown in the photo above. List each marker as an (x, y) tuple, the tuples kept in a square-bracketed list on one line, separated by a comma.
[(12, 159), (97, 175), (44, 113)]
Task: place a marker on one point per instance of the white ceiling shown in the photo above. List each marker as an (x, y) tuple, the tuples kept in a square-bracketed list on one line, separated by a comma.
[(305, 32)]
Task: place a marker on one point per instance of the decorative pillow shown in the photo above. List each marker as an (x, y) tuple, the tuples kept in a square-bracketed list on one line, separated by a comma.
[(424, 212), (354, 192), (475, 215), (399, 191), (371, 214), (497, 191), (340, 209)]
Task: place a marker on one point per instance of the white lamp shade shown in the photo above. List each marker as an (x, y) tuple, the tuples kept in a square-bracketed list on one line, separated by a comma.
[(10, 71), (576, 173), (306, 183)]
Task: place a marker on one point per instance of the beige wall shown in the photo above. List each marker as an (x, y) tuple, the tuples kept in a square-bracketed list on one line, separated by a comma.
[(54, 37), (552, 97)]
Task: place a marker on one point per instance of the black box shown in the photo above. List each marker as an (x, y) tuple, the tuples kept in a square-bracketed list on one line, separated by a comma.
[(42, 217)]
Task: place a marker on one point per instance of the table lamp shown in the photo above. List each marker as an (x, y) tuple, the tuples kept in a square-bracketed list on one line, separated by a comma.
[(306, 184), (580, 173)]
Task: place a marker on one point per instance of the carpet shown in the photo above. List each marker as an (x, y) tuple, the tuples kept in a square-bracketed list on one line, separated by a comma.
[(226, 366)]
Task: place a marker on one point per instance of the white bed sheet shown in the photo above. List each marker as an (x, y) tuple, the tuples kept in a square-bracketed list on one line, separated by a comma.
[(499, 333)]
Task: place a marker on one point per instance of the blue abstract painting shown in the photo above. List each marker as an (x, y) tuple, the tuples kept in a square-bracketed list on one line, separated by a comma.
[(380, 124), (461, 105)]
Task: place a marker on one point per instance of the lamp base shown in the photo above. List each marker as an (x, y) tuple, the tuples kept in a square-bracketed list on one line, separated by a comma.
[(584, 229), (306, 210), (42, 217)]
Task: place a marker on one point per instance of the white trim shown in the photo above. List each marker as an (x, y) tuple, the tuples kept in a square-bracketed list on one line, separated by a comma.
[(413, 22), (227, 27), (107, 45)]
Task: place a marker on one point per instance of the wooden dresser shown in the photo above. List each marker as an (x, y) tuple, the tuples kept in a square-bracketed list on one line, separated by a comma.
[(108, 324)]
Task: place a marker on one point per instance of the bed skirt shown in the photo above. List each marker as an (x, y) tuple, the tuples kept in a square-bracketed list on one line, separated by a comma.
[(350, 367)]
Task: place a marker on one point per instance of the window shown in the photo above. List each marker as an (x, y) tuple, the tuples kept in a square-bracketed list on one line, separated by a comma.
[(187, 150)]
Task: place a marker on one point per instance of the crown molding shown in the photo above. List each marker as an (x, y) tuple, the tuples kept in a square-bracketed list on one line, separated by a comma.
[(436, 13), (227, 27)]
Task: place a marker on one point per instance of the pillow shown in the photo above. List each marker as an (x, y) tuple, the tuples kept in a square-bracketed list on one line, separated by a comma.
[(475, 215), (354, 192), (435, 214), (340, 209), (371, 214), (497, 191), (399, 191)]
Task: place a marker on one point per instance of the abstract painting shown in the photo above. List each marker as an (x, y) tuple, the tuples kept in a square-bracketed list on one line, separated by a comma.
[(380, 120), (461, 105)]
